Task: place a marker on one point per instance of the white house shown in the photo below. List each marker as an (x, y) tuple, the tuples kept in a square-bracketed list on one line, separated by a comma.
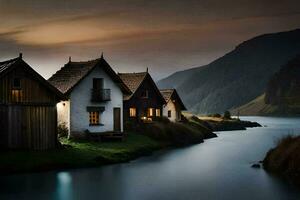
[(94, 97), (174, 106)]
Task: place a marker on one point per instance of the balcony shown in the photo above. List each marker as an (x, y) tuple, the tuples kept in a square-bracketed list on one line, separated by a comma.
[(100, 95)]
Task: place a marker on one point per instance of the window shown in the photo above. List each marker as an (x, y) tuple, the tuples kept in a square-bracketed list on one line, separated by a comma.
[(94, 118), (132, 112), (150, 112), (169, 113), (144, 94), (157, 112), (98, 83), (17, 83), (16, 95)]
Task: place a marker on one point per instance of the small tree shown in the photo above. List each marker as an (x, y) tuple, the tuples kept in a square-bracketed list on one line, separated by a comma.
[(227, 115)]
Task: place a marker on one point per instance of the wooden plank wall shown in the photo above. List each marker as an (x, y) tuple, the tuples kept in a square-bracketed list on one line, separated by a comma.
[(32, 90), (3, 126), (32, 127), (29, 122)]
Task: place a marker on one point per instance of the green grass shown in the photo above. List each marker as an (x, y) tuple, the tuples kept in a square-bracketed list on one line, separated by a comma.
[(78, 154)]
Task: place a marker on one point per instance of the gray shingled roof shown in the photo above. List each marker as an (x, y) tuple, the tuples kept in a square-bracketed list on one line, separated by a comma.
[(73, 72), (133, 80)]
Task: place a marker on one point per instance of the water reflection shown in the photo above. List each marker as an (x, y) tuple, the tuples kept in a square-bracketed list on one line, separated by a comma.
[(64, 185)]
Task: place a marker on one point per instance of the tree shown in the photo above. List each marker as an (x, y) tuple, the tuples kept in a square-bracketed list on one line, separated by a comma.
[(227, 115)]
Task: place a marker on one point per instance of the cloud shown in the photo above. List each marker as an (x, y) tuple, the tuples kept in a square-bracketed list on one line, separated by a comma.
[(164, 35)]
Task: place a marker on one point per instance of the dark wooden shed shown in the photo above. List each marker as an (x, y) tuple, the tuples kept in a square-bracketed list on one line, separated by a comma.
[(28, 116)]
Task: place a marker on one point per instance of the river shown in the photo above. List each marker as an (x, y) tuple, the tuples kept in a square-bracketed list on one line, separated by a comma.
[(219, 168)]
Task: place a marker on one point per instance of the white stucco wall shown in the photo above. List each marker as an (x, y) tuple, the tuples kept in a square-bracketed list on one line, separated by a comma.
[(80, 98), (174, 113), (63, 113)]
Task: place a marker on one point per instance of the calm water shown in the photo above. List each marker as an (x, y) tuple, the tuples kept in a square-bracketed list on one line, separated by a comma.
[(217, 169)]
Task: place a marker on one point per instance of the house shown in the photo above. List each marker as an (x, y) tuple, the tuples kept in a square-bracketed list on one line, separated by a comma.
[(94, 98), (145, 102), (174, 105), (28, 116)]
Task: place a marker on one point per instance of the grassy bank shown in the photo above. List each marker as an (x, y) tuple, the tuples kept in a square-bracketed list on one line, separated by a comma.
[(284, 159), (78, 154), (177, 134)]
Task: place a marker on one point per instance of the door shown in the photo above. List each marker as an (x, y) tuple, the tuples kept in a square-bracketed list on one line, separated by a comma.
[(117, 119)]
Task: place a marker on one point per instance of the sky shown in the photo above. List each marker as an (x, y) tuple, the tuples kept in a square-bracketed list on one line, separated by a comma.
[(163, 35)]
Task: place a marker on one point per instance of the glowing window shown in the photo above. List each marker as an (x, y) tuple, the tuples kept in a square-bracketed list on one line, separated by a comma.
[(16, 95), (157, 112), (94, 118), (132, 112), (150, 112)]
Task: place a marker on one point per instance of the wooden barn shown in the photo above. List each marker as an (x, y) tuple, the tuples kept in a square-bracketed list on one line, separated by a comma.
[(146, 102), (28, 116)]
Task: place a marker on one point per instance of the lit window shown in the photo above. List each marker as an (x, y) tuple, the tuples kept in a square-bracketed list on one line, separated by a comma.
[(145, 94), (157, 112), (94, 118), (169, 113), (132, 112), (16, 95), (150, 112)]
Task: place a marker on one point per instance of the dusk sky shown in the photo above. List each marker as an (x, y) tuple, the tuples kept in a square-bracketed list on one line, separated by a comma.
[(166, 36)]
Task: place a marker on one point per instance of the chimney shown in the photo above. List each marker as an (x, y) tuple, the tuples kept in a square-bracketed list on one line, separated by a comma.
[(20, 55), (102, 55), (147, 70), (70, 58)]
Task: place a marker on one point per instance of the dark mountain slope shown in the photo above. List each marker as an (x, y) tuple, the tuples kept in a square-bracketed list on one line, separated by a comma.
[(282, 96), (237, 77)]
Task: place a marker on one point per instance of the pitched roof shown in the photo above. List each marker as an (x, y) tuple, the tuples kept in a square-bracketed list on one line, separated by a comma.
[(73, 72), (9, 65), (6, 64), (167, 93), (171, 94), (134, 80)]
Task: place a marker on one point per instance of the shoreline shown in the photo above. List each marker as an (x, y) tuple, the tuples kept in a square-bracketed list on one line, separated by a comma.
[(77, 154)]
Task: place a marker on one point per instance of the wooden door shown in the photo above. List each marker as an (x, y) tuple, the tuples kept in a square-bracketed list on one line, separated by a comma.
[(117, 119)]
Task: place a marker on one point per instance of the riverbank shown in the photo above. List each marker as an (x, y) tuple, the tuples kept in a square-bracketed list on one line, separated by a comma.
[(78, 154), (84, 153), (222, 124), (284, 159)]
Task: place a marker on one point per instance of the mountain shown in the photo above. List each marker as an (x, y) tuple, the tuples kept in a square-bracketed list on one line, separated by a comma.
[(282, 96), (237, 77)]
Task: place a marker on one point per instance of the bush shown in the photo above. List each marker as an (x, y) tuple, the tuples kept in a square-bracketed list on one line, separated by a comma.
[(62, 130), (284, 159), (227, 115)]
